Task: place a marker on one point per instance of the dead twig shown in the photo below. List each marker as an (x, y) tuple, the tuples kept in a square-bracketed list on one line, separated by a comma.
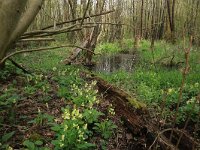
[(159, 137)]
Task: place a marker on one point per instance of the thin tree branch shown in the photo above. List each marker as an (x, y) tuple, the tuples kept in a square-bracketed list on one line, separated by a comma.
[(41, 49), (32, 33), (88, 4), (43, 33), (36, 39), (78, 19)]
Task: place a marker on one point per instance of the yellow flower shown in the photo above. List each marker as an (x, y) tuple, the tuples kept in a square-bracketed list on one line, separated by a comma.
[(85, 126), (196, 84), (63, 137), (61, 145), (54, 68), (63, 73), (65, 128), (162, 91), (170, 91), (66, 114)]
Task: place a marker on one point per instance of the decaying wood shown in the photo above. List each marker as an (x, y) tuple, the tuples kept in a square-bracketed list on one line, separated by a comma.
[(120, 99), (137, 118), (132, 119)]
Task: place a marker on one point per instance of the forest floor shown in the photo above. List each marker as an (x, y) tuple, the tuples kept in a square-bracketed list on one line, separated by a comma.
[(36, 109), (33, 106), (156, 80)]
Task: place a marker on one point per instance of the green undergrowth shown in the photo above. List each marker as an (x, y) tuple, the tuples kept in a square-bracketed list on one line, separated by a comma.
[(43, 61), (116, 47), (163, 53), (151, 82), (78, 120), (59, 88)]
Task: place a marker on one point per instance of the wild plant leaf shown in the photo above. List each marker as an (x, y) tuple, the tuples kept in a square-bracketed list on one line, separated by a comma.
[(38, 143), (30, 145), (55, 128), (7, 136), (85, 146)]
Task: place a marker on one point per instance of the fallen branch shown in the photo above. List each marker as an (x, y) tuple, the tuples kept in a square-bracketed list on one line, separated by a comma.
[(105, 23), (79, 19), (38, 32), (137, 120), (43, 33), (158, 138), (40, 49), (121, 99), (36, 40)]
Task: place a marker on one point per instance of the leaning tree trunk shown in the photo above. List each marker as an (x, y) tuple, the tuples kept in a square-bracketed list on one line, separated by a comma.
[(15, 16), (95, 34)]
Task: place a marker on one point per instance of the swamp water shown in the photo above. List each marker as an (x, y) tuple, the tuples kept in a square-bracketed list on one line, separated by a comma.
[(112, 63)]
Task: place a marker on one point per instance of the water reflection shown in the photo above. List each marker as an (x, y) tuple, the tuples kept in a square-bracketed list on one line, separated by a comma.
[(115, 62)]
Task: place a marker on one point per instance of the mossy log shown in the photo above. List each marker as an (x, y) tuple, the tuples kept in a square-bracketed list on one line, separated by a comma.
[(135, 116)]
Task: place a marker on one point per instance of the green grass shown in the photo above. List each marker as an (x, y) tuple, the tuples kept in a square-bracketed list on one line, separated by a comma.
[(108, 48), (149, 82), (116, 47), (43, 61), (52, 82)]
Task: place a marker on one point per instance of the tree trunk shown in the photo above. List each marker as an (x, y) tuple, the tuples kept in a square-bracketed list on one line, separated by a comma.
[(141, 19), (171, 14), (16, 16), (94, 36)]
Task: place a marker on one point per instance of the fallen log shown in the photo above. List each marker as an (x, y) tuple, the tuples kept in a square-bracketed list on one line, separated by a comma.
[(121, 101), (136, 117)]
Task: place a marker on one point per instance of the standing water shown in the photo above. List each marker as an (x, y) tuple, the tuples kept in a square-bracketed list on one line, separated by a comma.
[(115, 62)]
